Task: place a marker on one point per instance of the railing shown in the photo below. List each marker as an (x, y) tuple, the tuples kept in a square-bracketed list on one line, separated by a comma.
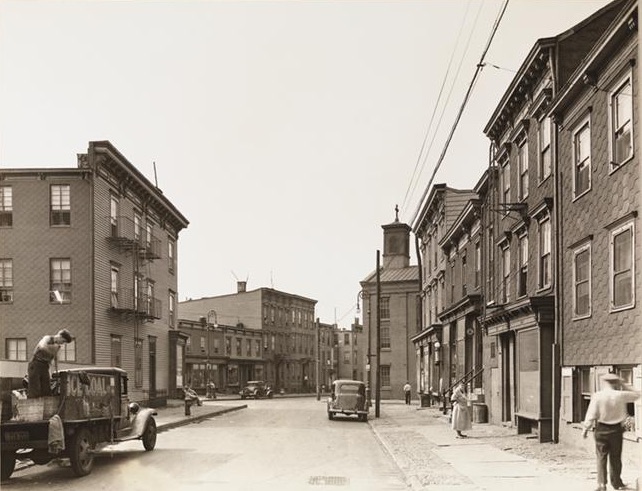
[(127, 235), (124, 300), (465, 379)]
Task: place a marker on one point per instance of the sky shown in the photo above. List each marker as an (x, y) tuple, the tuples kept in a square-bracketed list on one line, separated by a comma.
[(286, 132)]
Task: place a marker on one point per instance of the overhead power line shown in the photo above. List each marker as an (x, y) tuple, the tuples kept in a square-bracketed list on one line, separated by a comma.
[(471, 86)]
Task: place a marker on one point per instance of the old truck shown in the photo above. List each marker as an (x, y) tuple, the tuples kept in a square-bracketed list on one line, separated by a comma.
[(93, 410)]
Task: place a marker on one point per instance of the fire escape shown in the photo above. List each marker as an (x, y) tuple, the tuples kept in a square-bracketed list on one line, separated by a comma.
[(131, 238)]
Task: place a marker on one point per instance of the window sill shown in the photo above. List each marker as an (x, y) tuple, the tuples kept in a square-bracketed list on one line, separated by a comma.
[(615, 167), (582, 317), (577, 197), (614, 310)]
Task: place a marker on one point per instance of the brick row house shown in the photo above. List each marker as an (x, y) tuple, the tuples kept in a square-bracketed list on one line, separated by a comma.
[(538, 267), (92, 249), (288, 328)]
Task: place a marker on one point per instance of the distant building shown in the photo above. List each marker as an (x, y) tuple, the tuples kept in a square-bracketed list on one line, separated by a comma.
[(398, 313), (287, 324), (351, 352), (95, 250), (328, 354)]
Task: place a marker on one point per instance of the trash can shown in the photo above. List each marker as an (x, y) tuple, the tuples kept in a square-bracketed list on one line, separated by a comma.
[(480, 413), (425, 399)]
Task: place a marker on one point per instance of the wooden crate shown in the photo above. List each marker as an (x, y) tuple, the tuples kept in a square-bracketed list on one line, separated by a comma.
[(29, 409)]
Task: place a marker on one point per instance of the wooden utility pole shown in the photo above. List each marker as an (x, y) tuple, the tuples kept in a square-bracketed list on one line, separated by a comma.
[(317, 361), (378, 346)]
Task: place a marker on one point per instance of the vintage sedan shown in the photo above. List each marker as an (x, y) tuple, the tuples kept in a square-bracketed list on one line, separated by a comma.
[(348, 397), (256, 389)]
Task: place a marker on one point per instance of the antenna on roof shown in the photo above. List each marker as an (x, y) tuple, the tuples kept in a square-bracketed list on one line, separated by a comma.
[(155, 176)]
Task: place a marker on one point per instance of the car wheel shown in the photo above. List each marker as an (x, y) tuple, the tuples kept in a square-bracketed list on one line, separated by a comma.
[(242, 397), (149, 436), (330, 416), (80, 452), (8, 464), (270, 395)]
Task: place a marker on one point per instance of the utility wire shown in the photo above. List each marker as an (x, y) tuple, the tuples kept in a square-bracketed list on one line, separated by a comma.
[(443, 109), (478, 70), (434, 111)]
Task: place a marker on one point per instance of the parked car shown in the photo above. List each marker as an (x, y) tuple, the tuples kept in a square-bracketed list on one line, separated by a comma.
[(92, 409), (256, 389), (348, 397)]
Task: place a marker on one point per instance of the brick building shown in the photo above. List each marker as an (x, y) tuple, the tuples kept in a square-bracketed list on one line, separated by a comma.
[(351, 352), (597, 115), (398, 312), (433, 343), (94, 250), (287, 324)]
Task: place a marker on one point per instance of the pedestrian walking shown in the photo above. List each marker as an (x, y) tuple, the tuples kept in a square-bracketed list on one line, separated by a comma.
[(607, 413), (39, 380), (460, 415), (406, 390)]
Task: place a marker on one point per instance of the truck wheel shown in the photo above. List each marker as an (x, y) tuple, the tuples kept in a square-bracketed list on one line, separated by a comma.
[(80, 452), (149, 436), (8, 464)]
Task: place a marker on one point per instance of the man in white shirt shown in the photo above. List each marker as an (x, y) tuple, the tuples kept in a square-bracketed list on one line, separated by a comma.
[(606, 412), (407, 389)]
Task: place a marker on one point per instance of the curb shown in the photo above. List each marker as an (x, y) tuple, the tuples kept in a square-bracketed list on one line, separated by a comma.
[(195, 419), (411, 480)]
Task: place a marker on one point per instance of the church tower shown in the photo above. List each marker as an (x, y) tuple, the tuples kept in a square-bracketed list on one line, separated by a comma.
[(396, 244)]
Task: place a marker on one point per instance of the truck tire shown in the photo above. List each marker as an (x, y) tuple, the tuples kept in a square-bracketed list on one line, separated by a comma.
[(8, 464), (149, 435), (80, 452)]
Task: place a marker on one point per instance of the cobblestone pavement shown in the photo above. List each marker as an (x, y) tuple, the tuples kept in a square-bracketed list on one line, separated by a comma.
[(493, 457)]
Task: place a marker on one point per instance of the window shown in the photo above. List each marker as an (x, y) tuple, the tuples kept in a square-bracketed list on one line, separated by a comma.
[(228, 345), (523, 266), (113, 215), (544, 148), (346, 339), (60, 205), (622, 123), (622, 267), (522, 161), (217, 346), (385, 375), (384, 308), (582, 159), (150, 310), (114, 282), (505, 274), (171, 257), (385, 336), (60, 280), (16, 349), (6, 280), (582, 281), (248, 347), (172, 308), (149, 229), (257, 348), (138, 362), (464, 287), (545, 253), (116, 351), (138, 220), (67, 351), (239, 350), (188, 344), (6, 206), (478, 260), (506, 184), (202, 344)]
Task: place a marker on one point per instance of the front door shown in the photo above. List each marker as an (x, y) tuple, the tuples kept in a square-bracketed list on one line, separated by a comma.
[(152, 367), (508, 375)]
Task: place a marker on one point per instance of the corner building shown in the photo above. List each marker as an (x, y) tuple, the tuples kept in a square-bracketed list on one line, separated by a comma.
[(94, 250)]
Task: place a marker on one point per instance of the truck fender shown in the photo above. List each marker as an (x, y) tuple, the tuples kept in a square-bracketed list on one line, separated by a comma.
[(140, 420)]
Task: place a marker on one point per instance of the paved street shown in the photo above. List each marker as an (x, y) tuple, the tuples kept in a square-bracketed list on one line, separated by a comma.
[(288, 443)]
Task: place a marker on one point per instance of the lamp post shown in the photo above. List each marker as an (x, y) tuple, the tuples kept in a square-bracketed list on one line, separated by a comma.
[(207, 324), (365, 296)]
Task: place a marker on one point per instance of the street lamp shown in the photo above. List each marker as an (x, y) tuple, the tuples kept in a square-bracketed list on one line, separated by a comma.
[(365, 296), (207, 324)]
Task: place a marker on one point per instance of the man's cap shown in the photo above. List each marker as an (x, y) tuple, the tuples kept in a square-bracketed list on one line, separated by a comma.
[(611, 377), (66, 335)]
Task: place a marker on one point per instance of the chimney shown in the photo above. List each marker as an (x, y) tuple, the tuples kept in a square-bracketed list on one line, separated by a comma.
[(241, 286)]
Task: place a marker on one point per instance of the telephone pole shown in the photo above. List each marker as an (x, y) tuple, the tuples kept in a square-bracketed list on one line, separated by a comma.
[(378, 346)]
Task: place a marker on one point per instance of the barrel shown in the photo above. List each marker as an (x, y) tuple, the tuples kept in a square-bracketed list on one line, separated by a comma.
[(480, 413)]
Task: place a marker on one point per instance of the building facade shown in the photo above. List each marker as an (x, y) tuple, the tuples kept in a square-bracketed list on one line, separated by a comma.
[(597, 116), (94, 250), (398, 314), (350, 348), (433, 344), (287, 324)]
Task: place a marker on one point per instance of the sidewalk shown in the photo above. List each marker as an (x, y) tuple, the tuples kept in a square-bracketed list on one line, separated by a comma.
[(424, 447)]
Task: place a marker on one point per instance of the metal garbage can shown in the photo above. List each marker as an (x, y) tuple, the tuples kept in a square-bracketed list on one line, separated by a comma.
[(480, 413), (425, 399)]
